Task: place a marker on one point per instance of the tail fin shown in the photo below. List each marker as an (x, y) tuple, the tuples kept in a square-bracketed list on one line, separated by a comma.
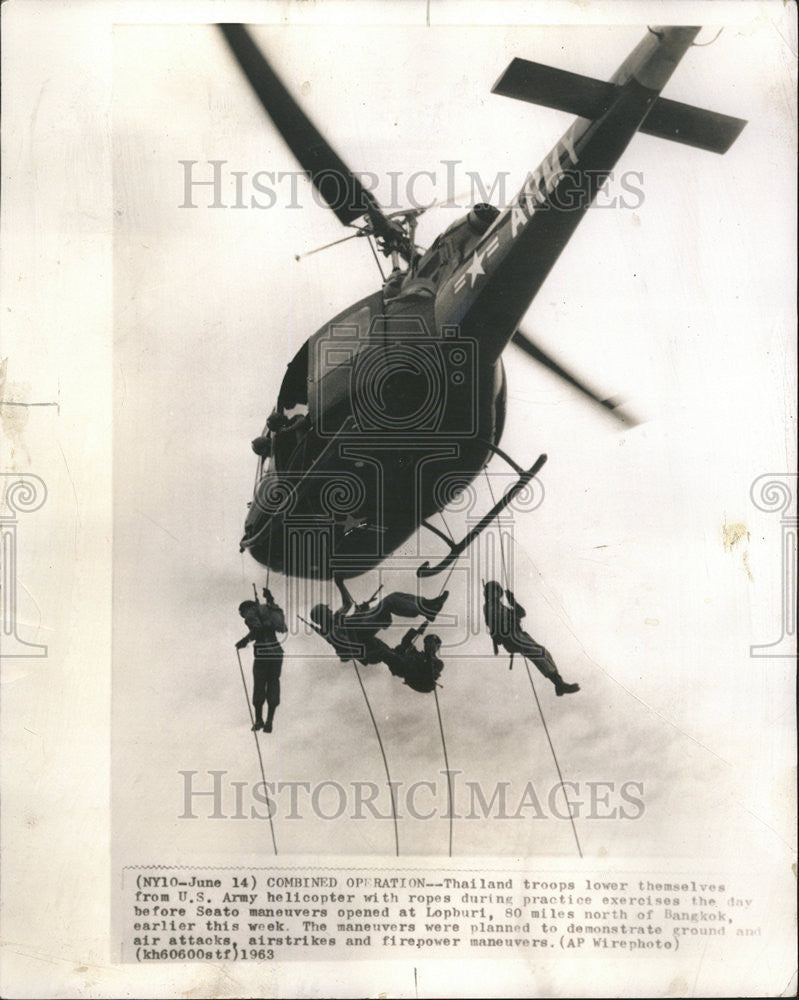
[(589, 98)]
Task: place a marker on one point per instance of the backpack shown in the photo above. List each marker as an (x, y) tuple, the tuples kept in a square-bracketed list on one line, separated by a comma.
[(422, 675), (271, 617)]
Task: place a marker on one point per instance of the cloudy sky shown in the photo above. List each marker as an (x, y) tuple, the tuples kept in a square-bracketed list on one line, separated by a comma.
[(682, 305)]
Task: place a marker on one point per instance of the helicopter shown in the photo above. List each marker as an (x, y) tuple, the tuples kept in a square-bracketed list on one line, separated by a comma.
[(397, 403)]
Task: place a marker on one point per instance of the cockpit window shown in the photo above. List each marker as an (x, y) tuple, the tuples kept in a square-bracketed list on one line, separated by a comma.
[(294, 390), (429, 264)]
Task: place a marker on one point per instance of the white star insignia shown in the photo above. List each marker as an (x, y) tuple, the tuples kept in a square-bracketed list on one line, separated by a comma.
[(475, 269)]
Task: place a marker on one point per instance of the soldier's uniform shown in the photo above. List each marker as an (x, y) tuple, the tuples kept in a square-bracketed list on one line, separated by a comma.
[(502, 622), (264, 621)]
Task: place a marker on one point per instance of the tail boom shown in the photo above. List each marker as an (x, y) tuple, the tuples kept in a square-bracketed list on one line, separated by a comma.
[(491, 291)]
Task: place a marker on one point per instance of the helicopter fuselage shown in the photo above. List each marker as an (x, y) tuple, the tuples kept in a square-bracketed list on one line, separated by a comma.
[(395, 423), (393, 407)]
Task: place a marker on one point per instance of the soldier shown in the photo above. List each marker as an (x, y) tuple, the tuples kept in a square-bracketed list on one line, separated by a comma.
[(502, 621), (332, 626), (282, 436), (263, 622), (366, 620), (419, 670), (353, 633)]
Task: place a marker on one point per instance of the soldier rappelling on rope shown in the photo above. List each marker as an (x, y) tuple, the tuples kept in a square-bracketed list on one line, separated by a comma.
[(263, 622), (352, 629), (370, 617), (419, 669), (502, 621), (352, 632)]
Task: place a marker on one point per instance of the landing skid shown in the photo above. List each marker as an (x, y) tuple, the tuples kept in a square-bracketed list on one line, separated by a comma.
[(457, 548)]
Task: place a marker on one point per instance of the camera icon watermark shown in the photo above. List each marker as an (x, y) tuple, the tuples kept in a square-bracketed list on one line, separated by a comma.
[(397, 377)]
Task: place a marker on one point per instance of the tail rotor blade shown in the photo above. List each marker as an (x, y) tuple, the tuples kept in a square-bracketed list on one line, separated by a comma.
[(611, 405)]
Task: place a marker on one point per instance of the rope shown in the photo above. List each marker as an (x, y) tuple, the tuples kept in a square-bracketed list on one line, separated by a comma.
[(452, 567), (257, 745), (554, 756), (450, 803), (535, 693), (451, 809), (269, 557), (505, 574), (446, 526), (385, 761), (377, 259)]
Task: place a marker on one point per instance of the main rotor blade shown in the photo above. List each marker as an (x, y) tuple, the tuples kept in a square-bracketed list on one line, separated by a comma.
[(336, 183), (533, 351)]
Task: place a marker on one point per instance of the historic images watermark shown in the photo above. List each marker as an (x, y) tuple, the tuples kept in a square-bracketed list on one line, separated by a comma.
[(217, 795), (775, 493), (20, 493), (221, 184)]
